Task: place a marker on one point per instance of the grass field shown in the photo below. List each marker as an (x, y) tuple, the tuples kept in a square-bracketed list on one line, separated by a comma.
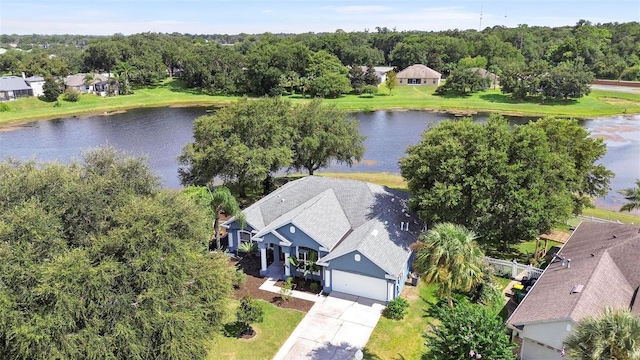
[(173, 93), (402, 339), (272, 333)]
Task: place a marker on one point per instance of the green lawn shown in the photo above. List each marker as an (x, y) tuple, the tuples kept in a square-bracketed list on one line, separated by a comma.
[(598, 103), (393, 181), (172, 92), (625, 218), (272, 333), (402, 339)]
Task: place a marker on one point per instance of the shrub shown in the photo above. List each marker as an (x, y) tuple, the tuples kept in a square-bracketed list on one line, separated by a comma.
[(314, 286), (396, 309), (71, 95), (4, 107), (287, 289), (248, 247), (239, 278), (249, 312), (370, 89)]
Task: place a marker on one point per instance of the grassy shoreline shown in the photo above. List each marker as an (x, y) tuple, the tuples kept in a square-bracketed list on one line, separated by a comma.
[(172, 93)]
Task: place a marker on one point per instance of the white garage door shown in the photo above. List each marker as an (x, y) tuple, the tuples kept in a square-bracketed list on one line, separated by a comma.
[(360, 285)]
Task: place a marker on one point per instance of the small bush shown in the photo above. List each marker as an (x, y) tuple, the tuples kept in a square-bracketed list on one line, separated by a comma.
[(4, 107), (57, 103), (249, 312), (239, 278), (287, 289), (248, 247), (396, 309), (71, 95), (370, 89), (314, 286)]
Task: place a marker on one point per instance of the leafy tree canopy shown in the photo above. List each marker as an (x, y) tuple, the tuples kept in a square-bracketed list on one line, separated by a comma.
[(323, 133), (505, 184), (467, 331), (98, 263)]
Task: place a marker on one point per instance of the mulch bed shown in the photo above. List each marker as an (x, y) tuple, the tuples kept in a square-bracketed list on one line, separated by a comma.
[(251, 266)]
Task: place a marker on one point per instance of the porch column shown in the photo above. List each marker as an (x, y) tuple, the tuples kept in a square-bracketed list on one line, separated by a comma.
[(263, 258), (287, 270)]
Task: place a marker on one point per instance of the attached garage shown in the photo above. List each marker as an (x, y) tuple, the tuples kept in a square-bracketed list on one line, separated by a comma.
[(360, 285)]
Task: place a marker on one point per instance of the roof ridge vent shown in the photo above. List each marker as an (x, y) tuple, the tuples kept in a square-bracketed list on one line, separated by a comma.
[(374, 232), (576, 289)]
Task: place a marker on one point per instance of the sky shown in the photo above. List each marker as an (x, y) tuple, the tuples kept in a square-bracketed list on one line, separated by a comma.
[(107, 17)]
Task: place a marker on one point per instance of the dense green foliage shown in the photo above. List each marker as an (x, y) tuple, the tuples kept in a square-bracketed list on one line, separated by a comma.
[(246, 142), (462, 81), (396, 309), (506, 184), (632, 195), (71, 95), (98, 263), (51, 88), (467, 331), (269, 64), (249, 312), (613, 335), (558, 83), (448, 256)]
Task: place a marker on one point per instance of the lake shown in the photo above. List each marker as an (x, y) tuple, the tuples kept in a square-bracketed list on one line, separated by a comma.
[(161, 133)]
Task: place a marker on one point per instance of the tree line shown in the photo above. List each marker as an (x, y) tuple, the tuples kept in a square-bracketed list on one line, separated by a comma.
[(318, 64)]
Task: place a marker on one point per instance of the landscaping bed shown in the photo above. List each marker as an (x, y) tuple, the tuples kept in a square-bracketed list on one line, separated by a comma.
[(251, 266)]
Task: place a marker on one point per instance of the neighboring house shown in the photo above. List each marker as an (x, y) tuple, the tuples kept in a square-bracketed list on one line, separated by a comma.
[(381, 72), (419, 75), (493, 79), (13, 87), (99, 85), (361, 234), (37, 84), (597, 267)]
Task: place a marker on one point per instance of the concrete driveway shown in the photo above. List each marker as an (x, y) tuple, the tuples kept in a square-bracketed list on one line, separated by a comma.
[(333, 329)]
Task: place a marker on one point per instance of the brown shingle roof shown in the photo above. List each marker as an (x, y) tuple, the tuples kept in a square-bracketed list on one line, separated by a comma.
[(604, 258), (418, 71)]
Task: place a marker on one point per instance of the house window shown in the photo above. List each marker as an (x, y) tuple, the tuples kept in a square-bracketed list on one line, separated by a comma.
[(292, 229), (244, 236), (307, 258), (414, 81), (356, 257)]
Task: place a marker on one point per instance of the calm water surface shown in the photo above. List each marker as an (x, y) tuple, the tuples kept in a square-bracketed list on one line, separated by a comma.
[(161, 133)]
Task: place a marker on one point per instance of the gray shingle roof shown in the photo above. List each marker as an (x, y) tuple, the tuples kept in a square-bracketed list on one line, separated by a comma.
[(31, 79), (316, 204), (78, 79), (13, 83), (604, 259), (312, 217), (418, 71)]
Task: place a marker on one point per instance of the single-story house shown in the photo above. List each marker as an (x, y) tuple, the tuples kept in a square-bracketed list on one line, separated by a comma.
[(493, 79), (99, 85), (419, 75), (360, 234), (13, 87), (597, 267), (37, 85)]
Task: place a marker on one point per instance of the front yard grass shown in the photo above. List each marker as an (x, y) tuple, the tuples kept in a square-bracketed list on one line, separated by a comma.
[(271, 334), (402, 339)]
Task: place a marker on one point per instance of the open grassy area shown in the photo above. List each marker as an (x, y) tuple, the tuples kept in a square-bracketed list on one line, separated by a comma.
[(173, 93), (623, 217), (402, 339), (598, 103), (393, 181), (168, 93), (272, 333)]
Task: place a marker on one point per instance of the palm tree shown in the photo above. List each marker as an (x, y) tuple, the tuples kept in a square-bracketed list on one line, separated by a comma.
[(448, 256), (614, 335), (632, 195), (223, 202)]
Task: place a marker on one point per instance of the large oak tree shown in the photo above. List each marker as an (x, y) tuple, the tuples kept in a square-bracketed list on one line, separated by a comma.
[(98, 263), (506, 184)]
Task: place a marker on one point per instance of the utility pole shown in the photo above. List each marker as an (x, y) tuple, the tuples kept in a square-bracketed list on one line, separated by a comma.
[(480, 27)]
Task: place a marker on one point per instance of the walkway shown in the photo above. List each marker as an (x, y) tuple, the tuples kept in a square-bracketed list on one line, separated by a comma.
[(336, 326)]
